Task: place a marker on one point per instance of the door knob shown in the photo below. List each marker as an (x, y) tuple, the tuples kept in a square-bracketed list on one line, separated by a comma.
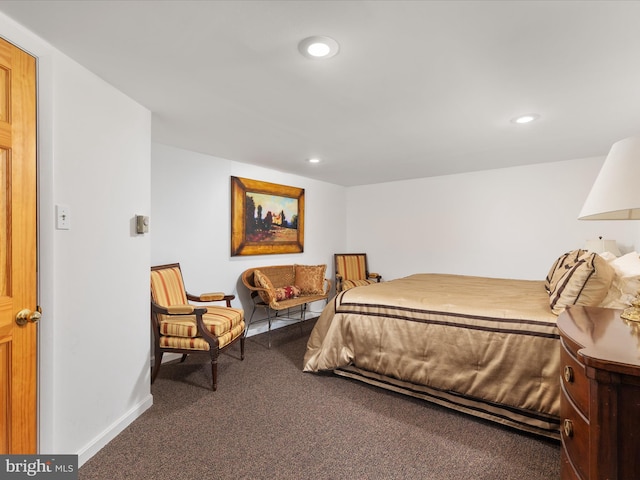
[(25, 315)]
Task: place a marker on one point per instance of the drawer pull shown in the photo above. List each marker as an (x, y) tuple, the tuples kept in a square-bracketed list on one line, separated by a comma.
[(567, 426), (568, 374)]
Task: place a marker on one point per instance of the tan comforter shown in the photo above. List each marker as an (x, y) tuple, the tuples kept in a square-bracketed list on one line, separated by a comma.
[(494, 340)]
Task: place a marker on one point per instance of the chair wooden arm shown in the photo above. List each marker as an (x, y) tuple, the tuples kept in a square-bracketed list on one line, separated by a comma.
[(211, 297), (178, 309)]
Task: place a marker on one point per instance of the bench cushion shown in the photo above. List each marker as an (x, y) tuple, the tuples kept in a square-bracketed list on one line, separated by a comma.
[(294, 302), (217, 320), (198, 343)]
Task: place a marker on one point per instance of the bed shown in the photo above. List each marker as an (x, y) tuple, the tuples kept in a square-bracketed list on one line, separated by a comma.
[(488, 347)]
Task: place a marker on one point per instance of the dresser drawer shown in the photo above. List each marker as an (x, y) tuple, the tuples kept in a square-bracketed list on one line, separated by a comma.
[(567, 471), (602, 443), (574, 380), (574, 429)]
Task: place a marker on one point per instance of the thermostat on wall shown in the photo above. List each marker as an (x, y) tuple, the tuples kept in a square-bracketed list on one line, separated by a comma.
[(142, 224)]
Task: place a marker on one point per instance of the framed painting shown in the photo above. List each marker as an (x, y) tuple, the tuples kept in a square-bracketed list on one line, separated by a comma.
[(266, 218)]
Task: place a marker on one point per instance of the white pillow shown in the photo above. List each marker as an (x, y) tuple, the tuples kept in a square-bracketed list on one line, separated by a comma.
[(627, 265), (625, 287), (608, 256)]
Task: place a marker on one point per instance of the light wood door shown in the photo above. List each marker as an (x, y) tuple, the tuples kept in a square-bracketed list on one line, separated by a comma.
[(18, 424)]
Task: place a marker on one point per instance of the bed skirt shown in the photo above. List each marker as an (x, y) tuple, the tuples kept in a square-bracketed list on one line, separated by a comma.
[(525, 420)]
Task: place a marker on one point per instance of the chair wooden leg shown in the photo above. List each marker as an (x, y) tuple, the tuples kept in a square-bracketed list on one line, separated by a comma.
[(214, 369), (184, 357), (156, 364)]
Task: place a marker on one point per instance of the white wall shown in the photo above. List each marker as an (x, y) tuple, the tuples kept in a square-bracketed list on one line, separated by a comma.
[(191, 221), (511, 222), (100, 285), (94, 156)]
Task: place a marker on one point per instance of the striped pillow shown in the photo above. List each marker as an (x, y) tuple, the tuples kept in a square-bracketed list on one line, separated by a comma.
[(560, 267), (585, 282)]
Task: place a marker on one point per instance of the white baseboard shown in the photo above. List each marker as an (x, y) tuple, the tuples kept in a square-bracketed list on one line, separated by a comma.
[(113, 430), (262, 325), (168, 357)]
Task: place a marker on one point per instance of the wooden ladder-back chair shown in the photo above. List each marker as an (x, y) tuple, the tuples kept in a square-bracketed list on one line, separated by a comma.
[(352, 270), (180, 327)]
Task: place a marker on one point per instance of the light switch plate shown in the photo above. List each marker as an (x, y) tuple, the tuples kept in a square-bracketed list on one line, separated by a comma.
[(63, 217)]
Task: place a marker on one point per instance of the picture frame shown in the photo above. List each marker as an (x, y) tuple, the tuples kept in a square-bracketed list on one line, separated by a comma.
[(266, 218)]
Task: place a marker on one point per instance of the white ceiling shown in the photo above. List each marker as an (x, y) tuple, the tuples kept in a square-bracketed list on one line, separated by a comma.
[(419, 88)]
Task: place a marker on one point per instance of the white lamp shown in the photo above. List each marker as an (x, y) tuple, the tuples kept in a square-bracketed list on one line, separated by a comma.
[(615, 195), (600, 245)]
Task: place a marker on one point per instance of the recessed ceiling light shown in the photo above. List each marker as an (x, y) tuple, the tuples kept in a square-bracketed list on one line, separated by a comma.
[(318, 47), (314, 160), (528, 118)]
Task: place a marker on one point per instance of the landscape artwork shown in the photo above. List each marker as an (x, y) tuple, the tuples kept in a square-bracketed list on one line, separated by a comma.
[(266, 218)]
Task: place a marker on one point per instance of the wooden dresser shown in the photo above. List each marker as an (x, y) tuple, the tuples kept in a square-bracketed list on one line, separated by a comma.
[(600, 404)]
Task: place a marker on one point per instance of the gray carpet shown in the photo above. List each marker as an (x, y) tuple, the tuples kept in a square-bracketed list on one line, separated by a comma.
[(269, 420)]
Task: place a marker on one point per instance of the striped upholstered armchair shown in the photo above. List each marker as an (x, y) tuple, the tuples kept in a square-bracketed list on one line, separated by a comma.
[(352, 270), (180, 327)]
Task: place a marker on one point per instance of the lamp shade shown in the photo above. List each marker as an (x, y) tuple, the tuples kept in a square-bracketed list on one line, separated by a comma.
[(615, 195)]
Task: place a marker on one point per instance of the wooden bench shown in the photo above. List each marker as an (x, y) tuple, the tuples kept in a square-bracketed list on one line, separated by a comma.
[(280, 278)]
